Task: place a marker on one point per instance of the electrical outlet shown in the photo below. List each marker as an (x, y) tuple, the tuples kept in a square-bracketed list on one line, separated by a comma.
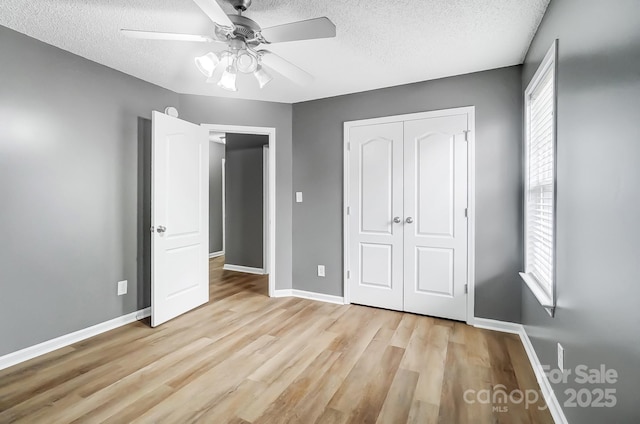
[(320, 270), (122, 287), (560, 357), (298, 197)]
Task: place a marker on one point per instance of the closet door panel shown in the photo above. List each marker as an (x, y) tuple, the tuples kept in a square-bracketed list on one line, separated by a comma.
[(375, 198), (435, 226)]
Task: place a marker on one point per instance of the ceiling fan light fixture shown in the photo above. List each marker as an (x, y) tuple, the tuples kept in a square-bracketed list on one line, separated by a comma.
[(246, 62), (207, 63), (242, 36), (228, 79), (213, 79), (262, 76), (226, 60)]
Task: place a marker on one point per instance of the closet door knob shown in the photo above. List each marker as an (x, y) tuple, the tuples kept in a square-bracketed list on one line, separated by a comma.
[(409, 220), (397, 220)]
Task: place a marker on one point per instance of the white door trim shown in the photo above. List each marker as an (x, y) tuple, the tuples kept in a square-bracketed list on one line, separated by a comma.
[(265, 209), (224, 205), (220, 140), (220, 252), (271, 133), (471, 187)]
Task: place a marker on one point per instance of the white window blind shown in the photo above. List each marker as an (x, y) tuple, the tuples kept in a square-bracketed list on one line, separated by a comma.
[(540, 182)]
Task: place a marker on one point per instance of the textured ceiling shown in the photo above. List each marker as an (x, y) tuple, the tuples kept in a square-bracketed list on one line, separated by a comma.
[(379, 43)]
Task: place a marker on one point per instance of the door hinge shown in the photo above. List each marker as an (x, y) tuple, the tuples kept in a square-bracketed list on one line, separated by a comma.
[(466, 288), (348, 275), (466, 135), (349, 146), (348, 210), (466, 212)]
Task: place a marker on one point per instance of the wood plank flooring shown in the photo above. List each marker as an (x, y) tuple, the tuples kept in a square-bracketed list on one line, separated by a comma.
[(247, 358)]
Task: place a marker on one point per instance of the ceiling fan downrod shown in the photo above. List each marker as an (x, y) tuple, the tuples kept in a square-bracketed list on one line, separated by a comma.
[(240, 5)]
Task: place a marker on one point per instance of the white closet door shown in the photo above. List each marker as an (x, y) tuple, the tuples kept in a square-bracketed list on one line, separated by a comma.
[(435, 227), (375, 198)]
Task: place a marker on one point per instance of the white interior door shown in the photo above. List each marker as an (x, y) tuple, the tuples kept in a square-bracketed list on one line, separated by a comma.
[(435, 227), (180, 209), (375, 198)]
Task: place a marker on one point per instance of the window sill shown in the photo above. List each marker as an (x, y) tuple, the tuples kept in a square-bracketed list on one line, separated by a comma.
[(545, 300)]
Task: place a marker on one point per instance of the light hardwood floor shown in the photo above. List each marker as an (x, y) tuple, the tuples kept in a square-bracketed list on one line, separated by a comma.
[(246, 358)]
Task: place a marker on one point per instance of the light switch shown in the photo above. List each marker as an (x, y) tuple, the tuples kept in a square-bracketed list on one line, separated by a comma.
[(298, 197), (320, 270)]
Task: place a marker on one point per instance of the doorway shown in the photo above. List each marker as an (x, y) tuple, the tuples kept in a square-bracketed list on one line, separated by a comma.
[(409, 213), (244, 250)]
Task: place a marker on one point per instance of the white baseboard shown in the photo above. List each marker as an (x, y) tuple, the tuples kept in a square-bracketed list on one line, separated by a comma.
[(547, 391), (31, 352), (283, 293), (216, 254), (318, 296), (502, 326), (240, 268), (545, 386), (309, 295)]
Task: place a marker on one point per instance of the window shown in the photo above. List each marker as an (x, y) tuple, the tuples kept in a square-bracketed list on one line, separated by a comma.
[(540, 153)]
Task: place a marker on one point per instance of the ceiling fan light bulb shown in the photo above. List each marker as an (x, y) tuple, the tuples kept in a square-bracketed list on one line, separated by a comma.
[(207, 63), (228, 80), (246, 62), (262, 76)]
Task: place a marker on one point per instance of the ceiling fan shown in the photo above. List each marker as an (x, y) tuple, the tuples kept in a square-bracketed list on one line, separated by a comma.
[(239, 37)]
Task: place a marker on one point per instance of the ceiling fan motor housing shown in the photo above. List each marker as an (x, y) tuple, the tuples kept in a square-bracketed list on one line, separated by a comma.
[(245, 28)]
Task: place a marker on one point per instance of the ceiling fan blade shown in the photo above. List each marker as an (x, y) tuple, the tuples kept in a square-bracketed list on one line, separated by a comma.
[(301, 30), (213, 10), (171, 36), (285, 68)]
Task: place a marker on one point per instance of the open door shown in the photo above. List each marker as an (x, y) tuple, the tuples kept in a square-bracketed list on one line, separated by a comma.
[(180, 218)]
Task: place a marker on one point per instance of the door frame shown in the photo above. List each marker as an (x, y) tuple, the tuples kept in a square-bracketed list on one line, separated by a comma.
[(470, 111), (266, 248), (224, 205), (221, 141), (271, 133)]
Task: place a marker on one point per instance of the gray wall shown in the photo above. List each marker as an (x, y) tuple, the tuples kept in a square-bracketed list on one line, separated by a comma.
[(216, 110), (71, 169), (244, 193), (598, 199), (317, 172), (216, 154), (75, 143)]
